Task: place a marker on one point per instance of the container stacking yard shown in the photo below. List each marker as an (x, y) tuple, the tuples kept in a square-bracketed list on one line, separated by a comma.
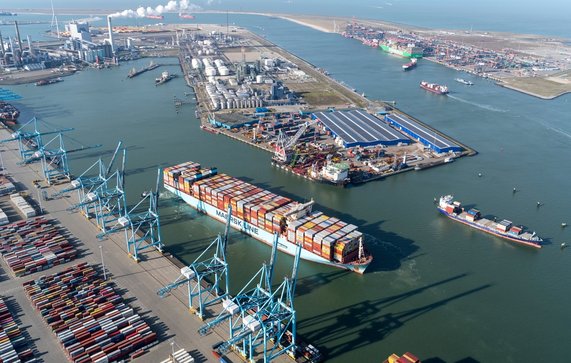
[(13, 344), (34, 245), (89, 319)]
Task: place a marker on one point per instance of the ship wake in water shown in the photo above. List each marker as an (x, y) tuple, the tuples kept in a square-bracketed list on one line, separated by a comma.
[(479, 105)]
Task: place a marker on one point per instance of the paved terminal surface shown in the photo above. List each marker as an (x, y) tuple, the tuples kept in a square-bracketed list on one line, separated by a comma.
[(169, 317)]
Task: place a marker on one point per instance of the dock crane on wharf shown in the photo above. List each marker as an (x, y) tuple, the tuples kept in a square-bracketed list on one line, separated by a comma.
[(204, 276), (142, 227), (53, 155), (260, 316), (30, 141), (86, 182), (285, 144), (107, 201)]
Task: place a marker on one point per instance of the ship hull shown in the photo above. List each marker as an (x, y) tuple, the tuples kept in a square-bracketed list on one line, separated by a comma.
[(401, 53), (436, 92), (260, 234), (489, 230)]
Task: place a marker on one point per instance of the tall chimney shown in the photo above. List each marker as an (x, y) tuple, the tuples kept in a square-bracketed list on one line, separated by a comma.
[(1, 45), (30, 50), (19, 40), (110, 34)]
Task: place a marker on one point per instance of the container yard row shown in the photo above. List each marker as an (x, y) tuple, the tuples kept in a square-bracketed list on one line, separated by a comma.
[(89, 318), (13, 344), (34, 245)]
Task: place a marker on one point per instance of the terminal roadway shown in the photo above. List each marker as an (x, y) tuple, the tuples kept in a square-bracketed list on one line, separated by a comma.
[(169, 317)]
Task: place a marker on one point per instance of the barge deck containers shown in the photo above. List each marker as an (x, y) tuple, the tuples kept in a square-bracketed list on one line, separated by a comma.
[(89, 319), (34, 245), (472, 217), (13, 344), (262, 214)]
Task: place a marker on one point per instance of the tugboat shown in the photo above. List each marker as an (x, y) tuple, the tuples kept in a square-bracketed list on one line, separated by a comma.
[(463, 81), (164, 78), (8, 113), (434, 88), (410, 65)]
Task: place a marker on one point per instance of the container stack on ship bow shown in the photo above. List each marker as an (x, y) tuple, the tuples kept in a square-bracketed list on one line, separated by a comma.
[(260, 214)]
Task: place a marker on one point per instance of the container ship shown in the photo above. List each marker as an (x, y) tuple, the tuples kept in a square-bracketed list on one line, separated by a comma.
[(261, 214), (401, 49), (434, 88), (405, 358), (410, 65), (472, 217), (159, 17), (185, 16)]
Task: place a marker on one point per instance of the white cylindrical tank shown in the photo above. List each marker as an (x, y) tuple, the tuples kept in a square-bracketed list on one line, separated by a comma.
[(195, 63), (259, 78), (218, 63), (224, 71), (210, 71)]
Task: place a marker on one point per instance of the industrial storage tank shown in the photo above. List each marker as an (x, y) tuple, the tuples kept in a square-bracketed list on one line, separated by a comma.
[(218, 63), (224, 71), (195, 63), (210, 71), (259, 78)]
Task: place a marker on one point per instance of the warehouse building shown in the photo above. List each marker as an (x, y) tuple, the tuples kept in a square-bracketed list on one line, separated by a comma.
[(429, 138), (359, 128)]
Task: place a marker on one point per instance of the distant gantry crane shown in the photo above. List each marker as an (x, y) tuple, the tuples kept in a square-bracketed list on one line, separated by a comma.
[(260, 316), (142, 227), (30, 141), (204, 277)]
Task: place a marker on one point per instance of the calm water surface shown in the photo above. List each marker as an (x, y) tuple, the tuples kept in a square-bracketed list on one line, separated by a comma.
[(435, 288)]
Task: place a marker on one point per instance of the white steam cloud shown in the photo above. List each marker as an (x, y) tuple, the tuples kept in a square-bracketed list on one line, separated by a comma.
[(171, 6)]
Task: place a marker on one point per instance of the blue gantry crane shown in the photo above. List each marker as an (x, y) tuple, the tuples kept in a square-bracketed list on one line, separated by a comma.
[(142, 226), (204, 277), (107, 201), (30, 141), (261, 320), (88, 180)]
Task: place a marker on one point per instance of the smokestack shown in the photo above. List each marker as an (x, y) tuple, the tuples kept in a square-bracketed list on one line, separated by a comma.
[(1, 45), (110, 34), (30, 51), (19, 40)]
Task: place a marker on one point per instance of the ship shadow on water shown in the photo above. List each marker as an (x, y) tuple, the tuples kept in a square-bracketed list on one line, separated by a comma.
[(390, 247), (368, 322)]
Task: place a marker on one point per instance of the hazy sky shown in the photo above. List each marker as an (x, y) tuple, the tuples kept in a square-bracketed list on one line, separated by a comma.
[(507, 15)]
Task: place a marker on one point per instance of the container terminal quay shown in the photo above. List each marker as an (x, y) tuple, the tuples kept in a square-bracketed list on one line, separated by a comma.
[(146, 302), (316, 127), (253, 91)]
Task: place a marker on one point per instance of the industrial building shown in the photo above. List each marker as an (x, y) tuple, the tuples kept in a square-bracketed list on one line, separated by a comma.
[(429, 138), (359, 128)]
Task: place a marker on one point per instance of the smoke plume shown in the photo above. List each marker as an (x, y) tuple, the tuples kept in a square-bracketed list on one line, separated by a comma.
[(171, 6)]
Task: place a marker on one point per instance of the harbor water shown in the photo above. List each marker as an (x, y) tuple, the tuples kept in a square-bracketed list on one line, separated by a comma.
[(436, 288)]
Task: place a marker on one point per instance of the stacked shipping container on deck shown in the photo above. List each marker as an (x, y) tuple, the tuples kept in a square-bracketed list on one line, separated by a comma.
[(34, 245), (89, 319), (324, 236), (13, 344)]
